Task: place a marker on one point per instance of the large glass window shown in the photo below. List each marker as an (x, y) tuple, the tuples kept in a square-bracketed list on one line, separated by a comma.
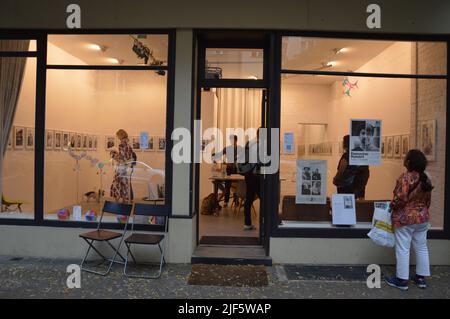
[(17, 93), (317, 107), (86, 161)]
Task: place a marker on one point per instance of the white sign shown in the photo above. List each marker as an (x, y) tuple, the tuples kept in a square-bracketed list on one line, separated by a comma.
[(365, 142), (143, 140), (343, 209), (311, 182), (76, 212)]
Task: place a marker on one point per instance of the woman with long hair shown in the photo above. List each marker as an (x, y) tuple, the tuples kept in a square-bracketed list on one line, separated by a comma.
[(410, 219), (121, 185)]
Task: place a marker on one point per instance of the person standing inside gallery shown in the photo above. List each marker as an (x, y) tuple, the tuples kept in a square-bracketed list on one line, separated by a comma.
[(410, 220), (121, 185), (231, 153), (350, 179)]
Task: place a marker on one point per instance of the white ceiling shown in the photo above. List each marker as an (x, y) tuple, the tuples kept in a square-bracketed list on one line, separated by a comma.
[(118, 46)]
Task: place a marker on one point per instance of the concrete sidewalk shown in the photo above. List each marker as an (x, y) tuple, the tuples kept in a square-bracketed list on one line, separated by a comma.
[(44, 278)]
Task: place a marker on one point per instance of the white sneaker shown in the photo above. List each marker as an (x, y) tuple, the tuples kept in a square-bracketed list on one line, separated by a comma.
[(249, 227)]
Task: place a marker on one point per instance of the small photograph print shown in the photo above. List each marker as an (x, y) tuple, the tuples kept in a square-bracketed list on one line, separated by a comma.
[(161, 143), (390, 147), (65, 140), (359, 135), (29, 143), (85, 142), (306, 174), (348, 202), (316, 176), (306, 188), (397, 146), (316, 187), (383, 147), (58, 140), (90, 142), (73, 140), (110, 142), (135, 143), (49, 139), (373, 134), (95, 142), (79, 142), (405, 145), (428, 138), (19, 137)]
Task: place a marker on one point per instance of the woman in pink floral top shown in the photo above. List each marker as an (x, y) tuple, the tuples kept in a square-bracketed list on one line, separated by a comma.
[(410, 216), (121, 185)]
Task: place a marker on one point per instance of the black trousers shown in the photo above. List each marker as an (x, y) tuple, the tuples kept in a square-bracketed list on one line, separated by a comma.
[(252, 190)]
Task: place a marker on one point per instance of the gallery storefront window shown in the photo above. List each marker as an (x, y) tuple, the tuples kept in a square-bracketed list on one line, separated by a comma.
[(394, 92)]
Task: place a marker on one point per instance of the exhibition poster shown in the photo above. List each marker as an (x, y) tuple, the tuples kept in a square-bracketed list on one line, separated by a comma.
[(343, 209), (311, 182), (365, 142)]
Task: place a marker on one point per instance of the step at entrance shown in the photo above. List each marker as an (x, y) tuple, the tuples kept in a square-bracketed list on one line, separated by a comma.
[(230, 255)]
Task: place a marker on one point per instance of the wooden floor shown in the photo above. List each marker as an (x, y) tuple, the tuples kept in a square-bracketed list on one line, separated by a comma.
[(227, 223)]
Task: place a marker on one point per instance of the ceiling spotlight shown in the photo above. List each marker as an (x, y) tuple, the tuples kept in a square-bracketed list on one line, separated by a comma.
[(340, 50), (97, 47), (115, 61), (252, 77)]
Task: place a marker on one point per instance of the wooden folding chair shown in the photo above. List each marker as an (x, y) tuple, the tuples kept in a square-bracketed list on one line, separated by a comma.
[(101, 235), (147, 239)]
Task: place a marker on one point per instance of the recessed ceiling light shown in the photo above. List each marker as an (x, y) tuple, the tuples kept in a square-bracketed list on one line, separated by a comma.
[(252, 77), (340, 50), (115, 61), (97, 47)]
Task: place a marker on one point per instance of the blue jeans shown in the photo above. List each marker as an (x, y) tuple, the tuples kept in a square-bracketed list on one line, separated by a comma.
[(417, 234)]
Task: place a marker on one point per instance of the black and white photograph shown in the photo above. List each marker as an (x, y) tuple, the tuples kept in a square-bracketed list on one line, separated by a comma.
[(72, 140), (49, 139), (405, 145), (161, 143), (383, 147), (19, 137), (397, 146), (311, 182), (90, 143), (365, 140), (110, 142), (79, 142), (85, 142), (58, 140), (348, 202), (135, 143), (95, 142), (151, 144), (65, 139), (29, 142), (427, 140), (389, 146)]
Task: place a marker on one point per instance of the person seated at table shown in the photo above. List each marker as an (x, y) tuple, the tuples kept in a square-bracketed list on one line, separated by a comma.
[(231, 154)]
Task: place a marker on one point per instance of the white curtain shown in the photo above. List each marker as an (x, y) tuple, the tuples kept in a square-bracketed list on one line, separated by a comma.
[(238, 108), (11, 75)]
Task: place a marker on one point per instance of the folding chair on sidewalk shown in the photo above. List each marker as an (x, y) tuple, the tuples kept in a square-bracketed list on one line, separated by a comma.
[(106, 236), (147, 239)]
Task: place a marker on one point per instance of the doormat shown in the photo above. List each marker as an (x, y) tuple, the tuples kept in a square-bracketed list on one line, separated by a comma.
[(229, 240), (326, 273), (228, 275)]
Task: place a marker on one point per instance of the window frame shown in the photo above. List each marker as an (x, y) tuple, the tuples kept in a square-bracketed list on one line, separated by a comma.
[(305, 232), (40, 109)]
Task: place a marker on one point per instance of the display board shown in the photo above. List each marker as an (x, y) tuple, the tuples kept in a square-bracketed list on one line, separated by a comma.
[(311, 182), (365, 142)]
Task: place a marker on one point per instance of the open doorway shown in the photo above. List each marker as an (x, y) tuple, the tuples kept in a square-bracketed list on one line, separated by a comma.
[(219, 181)]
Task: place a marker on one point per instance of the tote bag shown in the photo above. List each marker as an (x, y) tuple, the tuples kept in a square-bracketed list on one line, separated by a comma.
[(382, 232)]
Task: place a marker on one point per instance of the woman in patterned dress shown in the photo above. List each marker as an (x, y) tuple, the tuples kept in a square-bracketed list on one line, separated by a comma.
[(121, 185)]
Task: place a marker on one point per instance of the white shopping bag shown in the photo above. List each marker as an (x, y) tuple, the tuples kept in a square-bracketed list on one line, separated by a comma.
[(382, 232)]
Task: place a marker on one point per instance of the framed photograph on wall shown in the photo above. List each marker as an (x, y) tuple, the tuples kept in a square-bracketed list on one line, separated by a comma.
[(58, 140), (72, 140), (29, 140), (90, 143), (85, 142), (383, 147), (405, 145), (135, 143), (78, 141), (427, 139), (65, 140), (110, 142), (161, 143), (397, 146), (19, 138), (151, 144), (49, 139), (389, 146), (94, 142)]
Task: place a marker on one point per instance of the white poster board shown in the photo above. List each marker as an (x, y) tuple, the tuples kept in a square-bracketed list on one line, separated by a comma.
[(311, 182), (343, 209), (365, 142)]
